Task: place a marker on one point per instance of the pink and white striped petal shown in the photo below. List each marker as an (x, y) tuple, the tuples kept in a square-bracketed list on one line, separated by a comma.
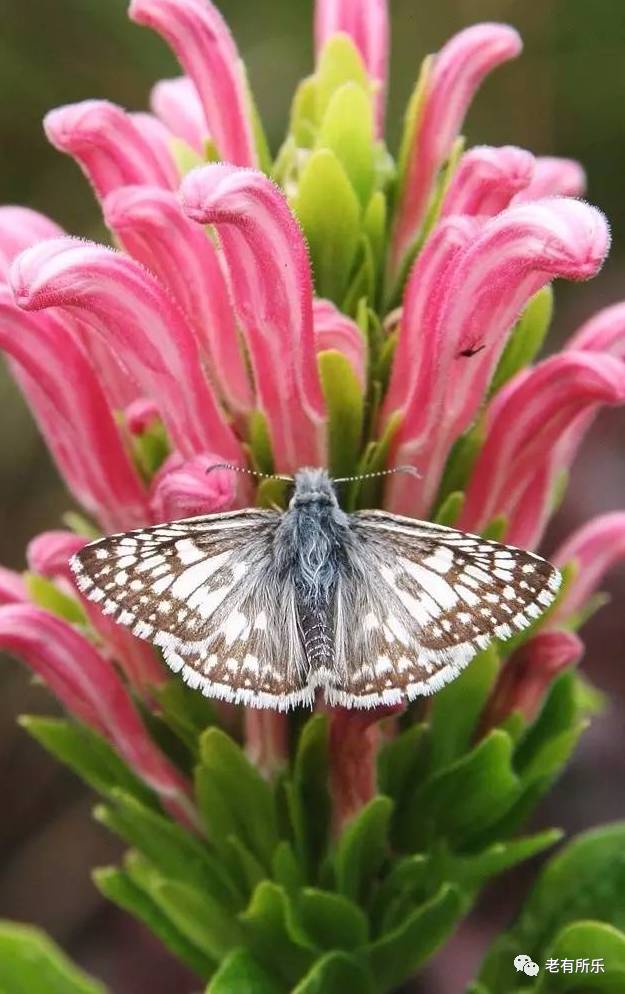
[(594, 548), (72, 414), (21, 227), (150, 225), (202, 42), (12, 587), (184, 489), (118, 299), (487, 179), (109, 145), (603, 332), (334, 330), (457, 73), (527, 422), (177, 104), (367, 24), (554, 177), (272, 289)]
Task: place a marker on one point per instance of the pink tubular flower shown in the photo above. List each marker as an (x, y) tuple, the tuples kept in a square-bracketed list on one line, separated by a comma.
[(111, 148), (273, 297), (554, 176), (185, 489), (604, 332), (21, 227), (204, 46), (125, 304), (518, 463), (593, 550), (456, 74), (487, 179), (335, 331), (176, 103), (12, 587), (152, 228), (366, 22), (88, 686)]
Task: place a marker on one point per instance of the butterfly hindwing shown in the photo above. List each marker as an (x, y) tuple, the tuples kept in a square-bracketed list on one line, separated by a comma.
[(427, 598), (204, 590)]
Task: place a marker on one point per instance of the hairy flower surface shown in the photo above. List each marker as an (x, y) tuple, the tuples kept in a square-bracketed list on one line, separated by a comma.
[(331, 306)]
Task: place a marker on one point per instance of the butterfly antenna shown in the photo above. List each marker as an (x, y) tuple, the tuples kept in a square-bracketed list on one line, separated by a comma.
[(411, 470), (250, 472)]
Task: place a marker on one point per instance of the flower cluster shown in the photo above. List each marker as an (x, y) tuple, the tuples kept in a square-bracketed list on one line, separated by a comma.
[(331, 306)]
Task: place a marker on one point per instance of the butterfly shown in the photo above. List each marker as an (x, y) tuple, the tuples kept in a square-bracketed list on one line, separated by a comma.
[(267, 607)]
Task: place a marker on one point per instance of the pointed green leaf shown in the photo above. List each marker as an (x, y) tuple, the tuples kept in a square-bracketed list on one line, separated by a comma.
[(304, 117), (407, 882), (586, 940), (339, 63), (87, 754), (330, 920), (404, 761), (275, 937), (335, 973), (473, 871), (460, 462), (44, 593), (362, 848), (286, 870), (395, 956), (117, 886), (329, 213), (456, 709), (345, 404), (450, 509), (259, 440), (374, 227), (246, 868), (241, 974), (30, 962), (526, 339), (185, 711), (309, 801), (347, 130), (169, 847), (558, 715), (229, 788), (367, 493)]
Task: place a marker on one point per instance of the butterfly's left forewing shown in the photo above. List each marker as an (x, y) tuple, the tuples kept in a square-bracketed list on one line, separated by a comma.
[(417, 601), (204, 590)]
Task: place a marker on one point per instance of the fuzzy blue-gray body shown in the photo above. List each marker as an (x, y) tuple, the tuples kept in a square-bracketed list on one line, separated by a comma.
[(312, 543)]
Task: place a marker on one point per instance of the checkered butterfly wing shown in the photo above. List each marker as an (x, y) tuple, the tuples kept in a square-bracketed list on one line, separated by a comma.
[(206, 592), (420, 600)]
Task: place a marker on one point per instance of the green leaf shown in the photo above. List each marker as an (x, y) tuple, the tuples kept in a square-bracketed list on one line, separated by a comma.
[(87, 754), (259, 440), (248, 870), (335, 973), (404, 761), (117, 886), (362, 848), (275, 937), (150, 449), (339, 63), (286, 870), (304, 119), (367, 493), (586, 940), (174, 851), (228, 789), (361, 287), (473, 871), (347, 130), (81, 525), (456, 709), (526, 339), (185, 711), (495, 531), (558, 716), (460, 463), (194, 913), (449, 510), (345, 405), (483, 779), (399, 953), (47, 595), (586, 879), (30, 963), (307, 793), (374, 227), (331, 921), (329, 213), (241, 974)]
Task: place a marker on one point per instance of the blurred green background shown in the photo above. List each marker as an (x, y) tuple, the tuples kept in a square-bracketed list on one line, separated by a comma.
[(565, 96)]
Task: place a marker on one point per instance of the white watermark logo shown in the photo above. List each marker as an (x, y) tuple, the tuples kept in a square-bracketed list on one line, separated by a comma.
[(525, 964)]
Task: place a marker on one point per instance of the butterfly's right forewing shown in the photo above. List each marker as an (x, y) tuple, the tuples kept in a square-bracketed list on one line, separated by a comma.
[(206, 592)]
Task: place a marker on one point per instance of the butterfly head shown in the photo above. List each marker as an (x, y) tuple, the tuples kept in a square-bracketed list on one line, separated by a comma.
[(313, 486)]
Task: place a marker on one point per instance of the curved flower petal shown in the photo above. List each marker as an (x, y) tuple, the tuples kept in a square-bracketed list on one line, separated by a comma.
[(334, 330), (594, 548), (89, 688), (528, 673), (603, 332), (554, 177), (110, 147), (459, 69), (199, 36), (120, 300), (49, 552), (517, 252), (272, 288), (159, 138), (366, 22), (21, 227), (72, 414), (525, 422), (185, 489), (487, 179), (176, 103), (152, 228), (12, 587)]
